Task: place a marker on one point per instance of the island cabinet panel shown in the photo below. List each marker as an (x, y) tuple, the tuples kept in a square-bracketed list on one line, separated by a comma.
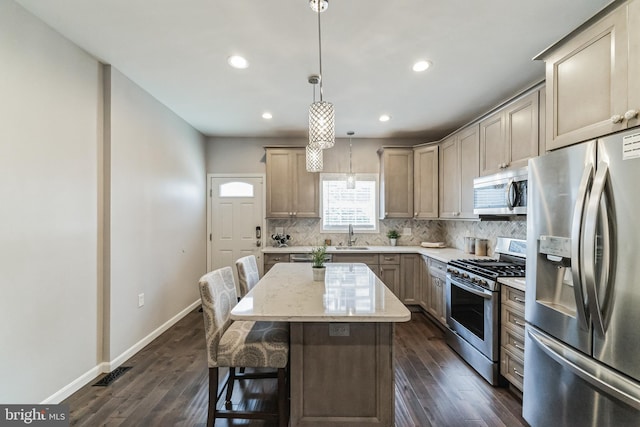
[(342, 380)]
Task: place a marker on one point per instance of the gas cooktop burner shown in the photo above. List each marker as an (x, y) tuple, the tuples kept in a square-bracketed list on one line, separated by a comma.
[(490, 267)]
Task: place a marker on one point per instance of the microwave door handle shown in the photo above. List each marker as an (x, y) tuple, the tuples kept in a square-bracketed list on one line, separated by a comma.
[(590, 250), (577, 264), (511, 194)]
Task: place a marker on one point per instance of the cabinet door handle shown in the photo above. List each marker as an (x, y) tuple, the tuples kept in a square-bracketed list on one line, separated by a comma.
[(515, 371), (617, 118), (631, 114), (518, 323), (520, 300), (519, 347)]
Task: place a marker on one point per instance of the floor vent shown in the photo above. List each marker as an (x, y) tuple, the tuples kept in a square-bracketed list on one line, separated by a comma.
[(112, 376)]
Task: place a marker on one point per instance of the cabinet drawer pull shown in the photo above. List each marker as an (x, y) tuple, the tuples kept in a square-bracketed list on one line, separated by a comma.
[(520, 300), (389, 258), (518, 323), (617, 118), (518, 346), (515, 371), (276, 259)]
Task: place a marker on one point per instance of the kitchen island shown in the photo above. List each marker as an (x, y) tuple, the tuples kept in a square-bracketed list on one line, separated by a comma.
[(341, 341)]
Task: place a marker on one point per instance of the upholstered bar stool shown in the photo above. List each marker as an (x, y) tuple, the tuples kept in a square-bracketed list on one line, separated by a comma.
[(240, 344), (248, 274)]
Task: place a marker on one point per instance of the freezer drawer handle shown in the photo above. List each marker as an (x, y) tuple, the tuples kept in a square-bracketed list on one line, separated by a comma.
[(603, 379)]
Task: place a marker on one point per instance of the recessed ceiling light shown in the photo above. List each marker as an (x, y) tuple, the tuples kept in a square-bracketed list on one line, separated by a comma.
[(267, 115), (384, 118), (421, 66), (237, 61)]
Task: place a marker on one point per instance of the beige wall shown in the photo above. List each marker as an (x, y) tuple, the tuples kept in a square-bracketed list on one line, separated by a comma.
[(246, 155), (51, 213), (158, 205)]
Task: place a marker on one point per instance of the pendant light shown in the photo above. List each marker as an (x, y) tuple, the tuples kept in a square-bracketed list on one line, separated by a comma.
[(351, 177), (314, 157), (321, 114)]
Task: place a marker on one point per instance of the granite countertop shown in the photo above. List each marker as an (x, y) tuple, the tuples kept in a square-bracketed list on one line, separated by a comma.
[(350, 293), (514, 282), (441, 254)]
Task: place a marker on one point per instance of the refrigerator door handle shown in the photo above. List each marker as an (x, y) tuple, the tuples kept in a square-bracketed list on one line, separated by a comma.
[(597, 305), (599, 377), (576, 246)]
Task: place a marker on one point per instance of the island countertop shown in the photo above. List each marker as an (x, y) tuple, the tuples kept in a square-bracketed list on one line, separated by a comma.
[(350, 293)]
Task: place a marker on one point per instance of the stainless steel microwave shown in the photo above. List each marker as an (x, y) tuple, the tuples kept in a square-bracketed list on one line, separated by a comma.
[(504, 193)]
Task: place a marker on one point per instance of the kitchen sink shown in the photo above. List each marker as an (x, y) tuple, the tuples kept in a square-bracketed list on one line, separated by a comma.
[(352, 248)]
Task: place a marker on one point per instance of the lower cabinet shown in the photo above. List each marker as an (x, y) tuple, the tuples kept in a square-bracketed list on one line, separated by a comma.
[(432, 292), (512, 335), (410, 278), (415, 279), (271, 259)]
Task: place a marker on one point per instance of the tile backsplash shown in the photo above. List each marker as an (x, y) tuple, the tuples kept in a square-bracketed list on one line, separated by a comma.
[(306, 232)]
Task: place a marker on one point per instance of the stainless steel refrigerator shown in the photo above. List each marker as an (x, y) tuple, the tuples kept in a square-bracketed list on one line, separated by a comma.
[(582, 338)]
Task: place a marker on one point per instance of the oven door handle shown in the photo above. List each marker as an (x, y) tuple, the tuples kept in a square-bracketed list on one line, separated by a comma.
[(481, 293)]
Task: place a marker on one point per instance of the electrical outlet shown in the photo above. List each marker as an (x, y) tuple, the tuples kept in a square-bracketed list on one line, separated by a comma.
[(140, 300), (339, 330), (406, 231)]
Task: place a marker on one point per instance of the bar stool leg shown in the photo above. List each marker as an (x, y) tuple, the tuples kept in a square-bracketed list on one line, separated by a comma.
[(213, 396), (230, 383), (283, 413)]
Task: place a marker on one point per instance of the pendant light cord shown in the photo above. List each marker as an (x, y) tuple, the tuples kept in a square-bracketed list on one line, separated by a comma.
[(350, 170), (320, 49)]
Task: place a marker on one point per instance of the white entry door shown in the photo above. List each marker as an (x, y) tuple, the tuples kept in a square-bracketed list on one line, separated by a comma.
[(236, 220)]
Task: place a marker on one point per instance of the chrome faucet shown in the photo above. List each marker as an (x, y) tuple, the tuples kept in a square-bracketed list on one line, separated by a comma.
[(350, 240)]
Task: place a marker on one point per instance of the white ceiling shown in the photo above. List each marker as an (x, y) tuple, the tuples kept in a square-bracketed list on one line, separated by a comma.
[(177, 50)]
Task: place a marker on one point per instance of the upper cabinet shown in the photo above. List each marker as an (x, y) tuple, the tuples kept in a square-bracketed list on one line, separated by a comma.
[(509, 137), (291, 190), (425, 182), (396, 182), (592, 78), (458, 168)]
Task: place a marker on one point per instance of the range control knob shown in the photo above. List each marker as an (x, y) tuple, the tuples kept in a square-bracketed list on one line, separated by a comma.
[(465, 275), (483, 283)]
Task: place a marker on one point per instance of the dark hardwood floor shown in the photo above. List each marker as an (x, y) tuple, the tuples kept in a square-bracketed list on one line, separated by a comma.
[(167, 385)]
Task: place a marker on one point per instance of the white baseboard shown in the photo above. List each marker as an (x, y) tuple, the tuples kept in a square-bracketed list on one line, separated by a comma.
[(104, 367), (152, 336)]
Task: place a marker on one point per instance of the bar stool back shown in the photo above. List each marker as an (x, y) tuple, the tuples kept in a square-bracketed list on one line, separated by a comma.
[(240, 344)]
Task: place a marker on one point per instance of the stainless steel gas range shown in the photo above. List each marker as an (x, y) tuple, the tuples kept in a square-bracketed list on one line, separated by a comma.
[(473, 305)]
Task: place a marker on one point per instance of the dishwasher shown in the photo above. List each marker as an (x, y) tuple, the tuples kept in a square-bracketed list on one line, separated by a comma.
[(307, 258)]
